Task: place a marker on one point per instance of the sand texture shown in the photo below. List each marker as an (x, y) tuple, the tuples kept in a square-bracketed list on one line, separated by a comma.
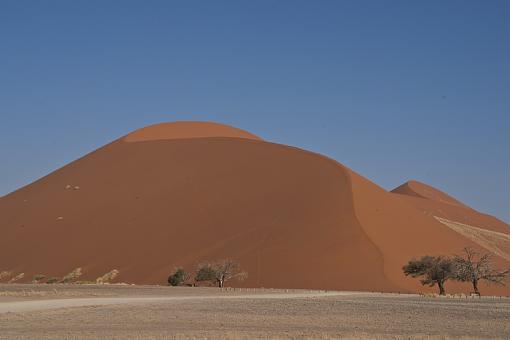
[(183, 193)]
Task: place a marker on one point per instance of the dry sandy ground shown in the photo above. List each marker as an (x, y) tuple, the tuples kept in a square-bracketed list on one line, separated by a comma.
[(141, 312)]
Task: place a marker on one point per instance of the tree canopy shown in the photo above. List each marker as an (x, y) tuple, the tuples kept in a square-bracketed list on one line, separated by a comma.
[(220, 272), (433, 270)]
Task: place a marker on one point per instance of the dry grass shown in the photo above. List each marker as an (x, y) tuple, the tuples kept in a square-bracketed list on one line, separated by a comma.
[(72, 276), (5, 275), (108, 277), (38, 278), (17, 278)]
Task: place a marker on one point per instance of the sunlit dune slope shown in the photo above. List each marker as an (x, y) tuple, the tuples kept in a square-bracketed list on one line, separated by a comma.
[(433, 202), (422, 190)]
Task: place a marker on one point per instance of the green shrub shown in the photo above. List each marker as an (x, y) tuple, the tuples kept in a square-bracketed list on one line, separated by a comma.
[(206, 272), (178, 277), (38, 278), (52, 280)]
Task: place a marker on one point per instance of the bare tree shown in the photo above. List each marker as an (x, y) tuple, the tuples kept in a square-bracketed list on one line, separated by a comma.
[(226, 270), (220, 272), (433, 269), (473, 267)]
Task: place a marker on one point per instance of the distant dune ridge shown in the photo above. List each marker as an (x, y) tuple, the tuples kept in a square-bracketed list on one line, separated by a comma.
[(178, 194)]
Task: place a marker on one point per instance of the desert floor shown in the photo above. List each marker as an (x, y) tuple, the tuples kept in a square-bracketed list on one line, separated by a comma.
[(145, 312)]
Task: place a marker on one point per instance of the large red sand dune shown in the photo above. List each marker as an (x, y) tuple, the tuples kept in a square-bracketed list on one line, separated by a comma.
[(182, 193)]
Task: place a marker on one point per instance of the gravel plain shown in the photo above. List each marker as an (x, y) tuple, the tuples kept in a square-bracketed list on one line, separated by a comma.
[(151, 312)]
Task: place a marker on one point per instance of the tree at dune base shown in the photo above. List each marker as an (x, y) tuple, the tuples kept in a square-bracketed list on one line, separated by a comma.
[(220, 272), (435, 270), (471, 267), (474, 267), (178, 278)]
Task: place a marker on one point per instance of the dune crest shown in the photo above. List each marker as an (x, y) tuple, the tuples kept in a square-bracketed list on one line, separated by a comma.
[(186, 129), (418, 189)]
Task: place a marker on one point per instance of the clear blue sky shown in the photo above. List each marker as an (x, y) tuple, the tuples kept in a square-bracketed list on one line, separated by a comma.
[(396, 90)]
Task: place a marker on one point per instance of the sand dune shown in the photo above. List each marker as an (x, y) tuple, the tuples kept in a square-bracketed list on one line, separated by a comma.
[(497, 243), (182, 193), (432, 202), (422, 190)]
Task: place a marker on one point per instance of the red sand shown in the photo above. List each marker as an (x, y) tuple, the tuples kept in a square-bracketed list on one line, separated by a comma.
[(182, 130), (433, 202), (421, 190), (161, 197)]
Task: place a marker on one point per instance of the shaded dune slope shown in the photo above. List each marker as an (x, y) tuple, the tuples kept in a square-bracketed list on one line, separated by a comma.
[(162, 197)]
